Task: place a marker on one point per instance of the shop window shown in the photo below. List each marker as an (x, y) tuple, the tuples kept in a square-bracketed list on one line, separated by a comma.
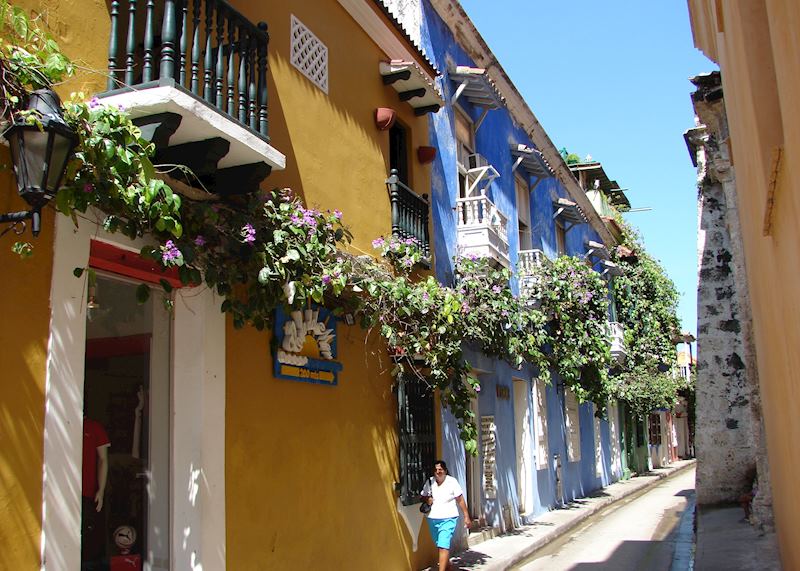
[(417, 427)]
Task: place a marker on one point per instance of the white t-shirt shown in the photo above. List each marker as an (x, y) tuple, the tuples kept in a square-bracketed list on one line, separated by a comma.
[(444, 498)]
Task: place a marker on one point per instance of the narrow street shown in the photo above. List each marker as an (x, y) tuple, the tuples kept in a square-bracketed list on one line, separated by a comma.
[(637, 534)]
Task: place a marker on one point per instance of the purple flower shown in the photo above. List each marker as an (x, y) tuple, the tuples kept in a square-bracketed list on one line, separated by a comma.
[(94, 102), (477, 388), (121, 108), (248, 233), (465, 308), (496, 289), (296, 220), (410, 241), (408, 262), (425, 296), (340, 260), (170, 252), (338, 214), (472, 257), (88, 187), (199, 241), (326, 279), (378, 242)]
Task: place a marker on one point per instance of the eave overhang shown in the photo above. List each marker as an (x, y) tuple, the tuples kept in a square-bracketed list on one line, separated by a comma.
[(413, 85)]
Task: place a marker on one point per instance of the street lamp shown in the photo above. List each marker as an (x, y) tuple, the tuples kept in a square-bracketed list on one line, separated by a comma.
[(39, 154)]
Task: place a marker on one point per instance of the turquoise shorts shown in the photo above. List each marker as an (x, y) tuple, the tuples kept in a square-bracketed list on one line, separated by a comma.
[(442, 531)]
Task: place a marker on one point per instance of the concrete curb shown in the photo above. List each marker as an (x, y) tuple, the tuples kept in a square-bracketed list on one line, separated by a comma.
[(475, 558)]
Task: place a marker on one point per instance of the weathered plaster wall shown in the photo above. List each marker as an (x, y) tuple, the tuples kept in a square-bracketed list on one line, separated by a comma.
[(729, 439)]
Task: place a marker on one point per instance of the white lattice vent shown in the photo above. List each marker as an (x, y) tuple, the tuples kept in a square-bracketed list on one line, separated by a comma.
[(309, 55)]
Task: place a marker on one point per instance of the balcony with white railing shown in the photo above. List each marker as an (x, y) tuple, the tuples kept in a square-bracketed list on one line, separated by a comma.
[(482, 229), (617, 339), (528, 264)]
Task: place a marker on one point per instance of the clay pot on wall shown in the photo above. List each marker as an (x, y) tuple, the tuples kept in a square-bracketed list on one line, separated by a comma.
[(384, 118)]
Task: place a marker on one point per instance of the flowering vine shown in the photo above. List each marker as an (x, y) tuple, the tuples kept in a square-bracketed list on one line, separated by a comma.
[(268, 249)]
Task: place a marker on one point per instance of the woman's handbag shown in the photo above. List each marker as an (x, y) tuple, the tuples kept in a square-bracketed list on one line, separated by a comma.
[(425, 507)]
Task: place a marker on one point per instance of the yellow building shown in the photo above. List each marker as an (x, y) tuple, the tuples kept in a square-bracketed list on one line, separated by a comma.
[(756, 45), (214, 461)]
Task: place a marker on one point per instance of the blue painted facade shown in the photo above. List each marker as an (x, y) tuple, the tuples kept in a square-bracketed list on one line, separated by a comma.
[(493, 140)]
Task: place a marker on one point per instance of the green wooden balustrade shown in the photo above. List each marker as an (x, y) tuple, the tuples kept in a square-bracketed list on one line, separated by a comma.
[(205, 46), (410, 213)]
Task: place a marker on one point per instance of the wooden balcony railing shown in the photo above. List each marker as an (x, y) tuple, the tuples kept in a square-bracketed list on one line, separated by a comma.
[(410, 213), (205, 46)]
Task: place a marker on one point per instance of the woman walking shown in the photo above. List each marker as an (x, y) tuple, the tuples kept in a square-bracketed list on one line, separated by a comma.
[(444, 494)]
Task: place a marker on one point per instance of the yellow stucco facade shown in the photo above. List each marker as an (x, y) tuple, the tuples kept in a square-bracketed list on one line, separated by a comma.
[(757, 47), (309, 469)]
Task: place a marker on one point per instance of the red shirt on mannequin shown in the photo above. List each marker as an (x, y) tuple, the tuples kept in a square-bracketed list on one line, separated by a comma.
[(94, 437)]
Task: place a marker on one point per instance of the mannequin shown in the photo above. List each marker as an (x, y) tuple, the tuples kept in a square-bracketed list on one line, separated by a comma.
[(95, 477)]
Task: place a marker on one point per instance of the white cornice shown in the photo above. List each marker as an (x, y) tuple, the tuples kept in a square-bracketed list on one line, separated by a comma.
[(366, 17)]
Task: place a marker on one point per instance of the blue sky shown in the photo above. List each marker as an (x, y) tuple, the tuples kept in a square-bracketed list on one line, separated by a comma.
[(610, 78)]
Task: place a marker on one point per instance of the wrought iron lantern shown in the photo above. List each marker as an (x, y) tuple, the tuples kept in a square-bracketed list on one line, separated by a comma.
[(39, 154)]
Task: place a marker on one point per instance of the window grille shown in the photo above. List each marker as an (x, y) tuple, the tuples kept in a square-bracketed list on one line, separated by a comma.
[(417, 436), (309, 55), (655, 429)]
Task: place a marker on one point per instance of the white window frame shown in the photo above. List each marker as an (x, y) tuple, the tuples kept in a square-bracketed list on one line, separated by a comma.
[(524, 442), (540, 415), (197, 412), (523, 197), (598, 443), (572, 418)]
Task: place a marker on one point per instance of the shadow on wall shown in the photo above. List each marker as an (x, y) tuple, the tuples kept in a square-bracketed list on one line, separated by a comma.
[(23, 352)]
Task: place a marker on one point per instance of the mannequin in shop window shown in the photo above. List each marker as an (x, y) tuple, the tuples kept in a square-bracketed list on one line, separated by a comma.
[(95, 476)]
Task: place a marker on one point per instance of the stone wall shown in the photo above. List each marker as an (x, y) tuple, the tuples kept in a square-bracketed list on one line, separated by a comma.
[(729, 438)]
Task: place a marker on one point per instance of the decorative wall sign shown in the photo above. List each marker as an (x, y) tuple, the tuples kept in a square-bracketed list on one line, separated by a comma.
[(306, 348), (489, 448)]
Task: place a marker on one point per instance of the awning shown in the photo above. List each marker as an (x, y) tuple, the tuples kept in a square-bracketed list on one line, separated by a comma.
[(610, 268), (597, 249), (531, 160), (475, 85), (413, 85), (596, 178), (569, 212)]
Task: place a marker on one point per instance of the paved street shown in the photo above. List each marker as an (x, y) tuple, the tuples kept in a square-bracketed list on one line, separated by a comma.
[(635, 534)]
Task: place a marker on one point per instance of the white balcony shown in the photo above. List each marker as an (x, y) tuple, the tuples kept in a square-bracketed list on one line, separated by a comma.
[(482, 229), (617, 338), (529, 262)]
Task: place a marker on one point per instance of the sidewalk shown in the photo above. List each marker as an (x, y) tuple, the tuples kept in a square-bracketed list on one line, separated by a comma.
[(726, 541), (503, 551)]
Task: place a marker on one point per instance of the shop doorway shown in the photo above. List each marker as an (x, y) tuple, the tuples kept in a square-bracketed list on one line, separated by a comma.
[(126, 427)]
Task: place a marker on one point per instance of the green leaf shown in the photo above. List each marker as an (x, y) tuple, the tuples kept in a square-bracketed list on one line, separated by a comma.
[(142, 293), (166, 285), (78, 272)]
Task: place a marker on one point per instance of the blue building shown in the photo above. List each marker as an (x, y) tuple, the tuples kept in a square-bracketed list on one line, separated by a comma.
[(499, 188)]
